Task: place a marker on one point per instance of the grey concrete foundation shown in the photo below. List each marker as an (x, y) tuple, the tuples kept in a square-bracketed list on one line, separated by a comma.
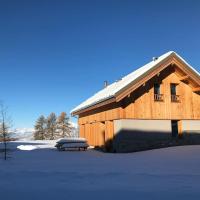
[(137, 135), (191, 126), (142, 125)]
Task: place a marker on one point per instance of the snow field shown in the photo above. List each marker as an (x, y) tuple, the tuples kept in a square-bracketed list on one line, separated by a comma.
[(45, 173)]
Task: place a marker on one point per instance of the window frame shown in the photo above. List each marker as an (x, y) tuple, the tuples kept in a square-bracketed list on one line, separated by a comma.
[(158, 96), (157, 90), (173, 93)]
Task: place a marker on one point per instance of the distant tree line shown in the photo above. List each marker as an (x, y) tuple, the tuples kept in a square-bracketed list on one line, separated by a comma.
[(53, 127)]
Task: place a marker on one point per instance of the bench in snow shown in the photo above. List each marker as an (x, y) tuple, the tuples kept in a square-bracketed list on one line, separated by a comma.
[(72, 143)]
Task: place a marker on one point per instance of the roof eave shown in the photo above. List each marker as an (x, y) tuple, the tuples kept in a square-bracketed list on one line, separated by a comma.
[(100, 103)]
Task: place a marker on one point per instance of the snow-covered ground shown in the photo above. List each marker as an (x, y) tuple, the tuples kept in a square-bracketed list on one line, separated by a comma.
[(45, 173), (33, 144)]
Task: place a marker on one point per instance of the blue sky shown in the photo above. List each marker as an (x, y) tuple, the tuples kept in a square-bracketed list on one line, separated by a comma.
[(56, 53)]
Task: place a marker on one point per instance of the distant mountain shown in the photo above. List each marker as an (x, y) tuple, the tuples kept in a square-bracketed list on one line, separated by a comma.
[(22, 133)]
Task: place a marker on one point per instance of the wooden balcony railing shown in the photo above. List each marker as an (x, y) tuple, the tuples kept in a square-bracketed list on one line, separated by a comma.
[(175, 98), (158, 97)]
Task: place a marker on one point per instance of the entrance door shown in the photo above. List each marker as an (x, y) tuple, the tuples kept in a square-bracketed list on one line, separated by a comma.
[(174, 124)]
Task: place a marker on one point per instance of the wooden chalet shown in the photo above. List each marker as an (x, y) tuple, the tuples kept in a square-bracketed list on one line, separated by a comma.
[(162, 96)]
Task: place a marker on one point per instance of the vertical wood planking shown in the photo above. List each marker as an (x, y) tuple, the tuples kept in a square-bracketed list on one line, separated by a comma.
[(109, 130), (97, 125)]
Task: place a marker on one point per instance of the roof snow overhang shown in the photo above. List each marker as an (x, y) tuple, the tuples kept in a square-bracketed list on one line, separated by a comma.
[(119, 90)]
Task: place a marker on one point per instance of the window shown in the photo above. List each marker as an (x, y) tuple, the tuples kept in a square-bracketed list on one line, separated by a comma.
[(156, 88), (157, 95), (174, 96), (173, 88)]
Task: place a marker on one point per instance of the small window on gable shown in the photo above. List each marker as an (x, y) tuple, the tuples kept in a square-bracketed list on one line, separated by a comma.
[(173, 88), (156, 88), (157, 93), (174, 96)]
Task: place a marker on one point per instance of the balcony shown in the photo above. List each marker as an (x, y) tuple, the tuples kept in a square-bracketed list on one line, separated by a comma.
[(175, 98), (158, 97)]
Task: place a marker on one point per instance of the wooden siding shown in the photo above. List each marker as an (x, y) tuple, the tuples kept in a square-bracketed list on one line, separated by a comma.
[(140, 104)]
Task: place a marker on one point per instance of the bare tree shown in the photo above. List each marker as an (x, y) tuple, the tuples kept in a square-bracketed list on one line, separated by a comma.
[(5, 125), (63, 125)]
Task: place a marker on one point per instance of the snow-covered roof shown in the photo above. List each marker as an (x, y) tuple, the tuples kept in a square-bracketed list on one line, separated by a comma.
[(112, 89)]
